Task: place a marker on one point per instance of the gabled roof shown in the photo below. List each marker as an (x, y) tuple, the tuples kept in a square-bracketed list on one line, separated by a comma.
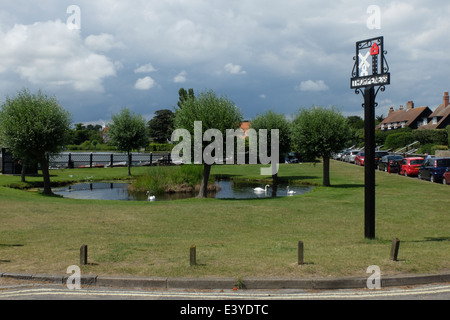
[(442, 113), (408, 115)]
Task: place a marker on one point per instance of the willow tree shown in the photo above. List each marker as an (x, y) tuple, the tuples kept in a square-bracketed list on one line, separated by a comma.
[(205, 113), (318, 132), (33, 127), (127, 132)]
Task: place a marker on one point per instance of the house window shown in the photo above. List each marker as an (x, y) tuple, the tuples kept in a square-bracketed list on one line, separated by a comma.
[(403, 124), (424, 121), (435, 120)]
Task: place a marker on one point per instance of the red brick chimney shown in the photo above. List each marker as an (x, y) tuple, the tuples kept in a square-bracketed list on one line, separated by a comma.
[(446, 100), (391, 109), (409, 105)]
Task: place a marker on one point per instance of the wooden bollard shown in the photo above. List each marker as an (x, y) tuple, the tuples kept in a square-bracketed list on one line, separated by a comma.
[(394, 249), (83, 255), (300, 253), (193, 255)]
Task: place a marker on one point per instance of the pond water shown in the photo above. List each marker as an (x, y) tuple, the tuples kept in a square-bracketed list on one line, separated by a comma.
[(119, 191)]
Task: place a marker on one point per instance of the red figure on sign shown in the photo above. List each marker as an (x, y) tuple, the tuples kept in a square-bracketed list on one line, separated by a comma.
[(374, 50)]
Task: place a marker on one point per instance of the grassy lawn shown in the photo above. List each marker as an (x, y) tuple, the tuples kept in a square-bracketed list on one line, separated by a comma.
[(234, 238)]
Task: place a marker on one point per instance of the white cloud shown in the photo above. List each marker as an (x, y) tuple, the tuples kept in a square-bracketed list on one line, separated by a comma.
[(234, 69), (146, 68), (48, 53), (181, 77), (144, 83), (102, 42), (311, 85)]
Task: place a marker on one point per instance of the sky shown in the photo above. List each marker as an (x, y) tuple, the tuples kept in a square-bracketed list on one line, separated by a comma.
[(98, 57)]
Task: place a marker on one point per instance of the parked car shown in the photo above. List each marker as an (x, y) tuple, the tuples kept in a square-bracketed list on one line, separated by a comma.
[(344, 155), (433, 169), (410, 166), (390, 163), (446, 177), (350, 157), (291, 157), (379, 155), (359, 159)]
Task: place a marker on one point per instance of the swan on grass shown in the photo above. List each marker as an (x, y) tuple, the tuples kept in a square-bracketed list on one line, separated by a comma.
[(150, 198), (291, 192), (261, 189)]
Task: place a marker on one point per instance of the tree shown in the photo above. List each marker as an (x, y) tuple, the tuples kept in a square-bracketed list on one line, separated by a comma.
[(128, 132), (318, 132), (32, 127), (161, 126), (448, 134), (214, 113), (271, 120), (184, 95), (355, 122)]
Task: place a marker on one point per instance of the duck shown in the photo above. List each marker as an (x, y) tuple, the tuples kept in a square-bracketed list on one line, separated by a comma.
[(261, 189), (151, 198), (291, 192)]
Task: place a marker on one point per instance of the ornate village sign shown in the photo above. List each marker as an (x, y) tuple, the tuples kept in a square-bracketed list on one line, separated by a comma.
[(370, 70)]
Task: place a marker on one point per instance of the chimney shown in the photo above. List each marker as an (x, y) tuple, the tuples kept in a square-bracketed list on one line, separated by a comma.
[(446, 101), (409, 105), (391, 109), (401, 108)]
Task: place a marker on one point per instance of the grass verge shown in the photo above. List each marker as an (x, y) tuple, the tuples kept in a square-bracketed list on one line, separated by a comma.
[(234, 238)]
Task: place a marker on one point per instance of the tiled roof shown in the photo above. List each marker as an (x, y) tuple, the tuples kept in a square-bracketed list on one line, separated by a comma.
[(405, 115), (442, 113)]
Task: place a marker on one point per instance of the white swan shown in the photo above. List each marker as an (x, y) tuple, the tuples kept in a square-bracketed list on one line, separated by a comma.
[(150, 198), (290, 192), (261, 189)]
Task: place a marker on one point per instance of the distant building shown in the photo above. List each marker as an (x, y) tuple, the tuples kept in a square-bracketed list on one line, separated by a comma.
[(440, 118), (409, 117), (418, 118), (245, 126)]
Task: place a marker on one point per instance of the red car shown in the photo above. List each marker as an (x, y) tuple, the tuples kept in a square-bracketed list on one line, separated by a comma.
[(446, 177), (410, 166), (359, 159)]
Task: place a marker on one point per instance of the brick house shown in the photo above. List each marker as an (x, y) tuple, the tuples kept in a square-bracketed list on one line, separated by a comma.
[(418, 118), (409, 117), (440, 118)]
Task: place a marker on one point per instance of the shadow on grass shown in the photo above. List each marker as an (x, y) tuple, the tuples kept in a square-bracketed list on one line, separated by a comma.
[(347, 185), (10, 245), (430, 239)]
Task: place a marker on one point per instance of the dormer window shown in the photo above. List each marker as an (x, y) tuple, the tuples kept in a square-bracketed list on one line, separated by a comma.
[(435, 121)]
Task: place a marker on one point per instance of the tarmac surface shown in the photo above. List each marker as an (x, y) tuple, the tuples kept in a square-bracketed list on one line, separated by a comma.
[(230, 283)]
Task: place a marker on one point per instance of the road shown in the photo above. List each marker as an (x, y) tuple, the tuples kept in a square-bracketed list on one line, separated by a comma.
[(59, 292)]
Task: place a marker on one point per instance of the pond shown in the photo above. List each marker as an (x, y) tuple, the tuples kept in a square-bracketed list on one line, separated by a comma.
[(228, 190)]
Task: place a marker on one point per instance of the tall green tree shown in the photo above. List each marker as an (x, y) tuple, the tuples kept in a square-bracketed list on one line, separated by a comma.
[(161, 126), (128, 132), (184, 95), (318, 132), (214, 113), (272, 120), (32, 127)]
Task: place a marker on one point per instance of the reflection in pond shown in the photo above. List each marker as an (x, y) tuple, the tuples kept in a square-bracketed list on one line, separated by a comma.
[(228, 190)]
